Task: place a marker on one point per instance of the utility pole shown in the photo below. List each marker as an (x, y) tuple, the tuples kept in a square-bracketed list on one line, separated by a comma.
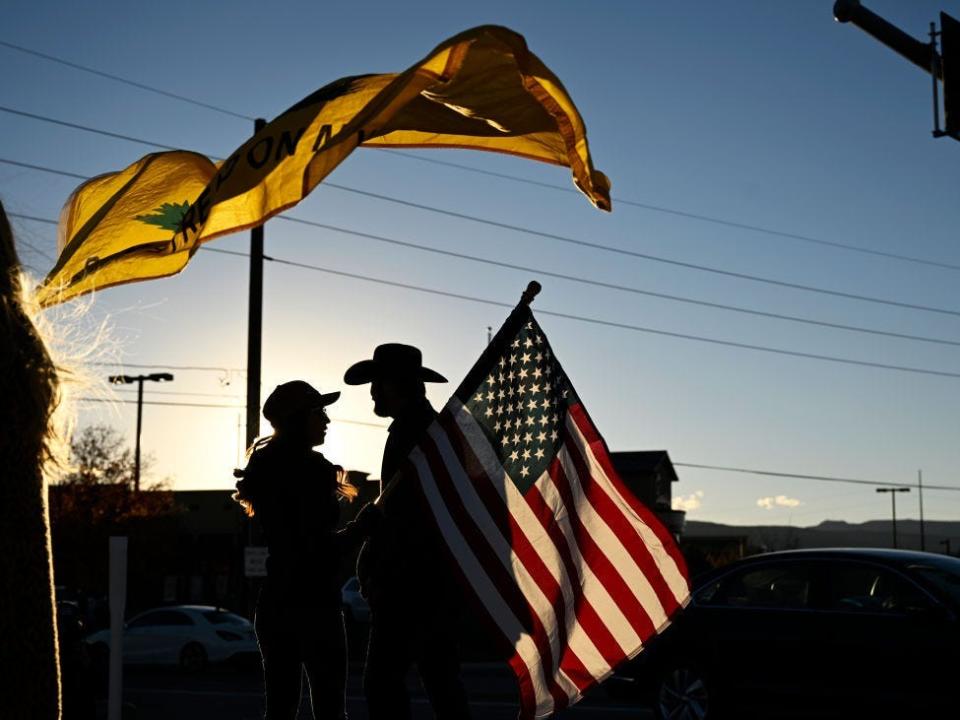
[(946, 545), (255, 323), (950, 67), (254, 346), (139, 379), (934, 73), (893, 499)]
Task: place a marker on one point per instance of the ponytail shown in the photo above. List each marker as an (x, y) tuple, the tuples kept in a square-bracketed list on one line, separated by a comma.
[(250, 482)]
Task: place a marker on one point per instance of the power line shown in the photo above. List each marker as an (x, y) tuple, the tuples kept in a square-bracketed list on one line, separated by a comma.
[(46, 221), (621, 288), (42, 168), (182, 393), (622, 326), (554, 236), (27, 244), (823, 478), (748, 346), (124, 80), (748, 471), (85, 128), (159, 402), (680, 213), (165, 366), (597, 283), (620, 200), (379, 426), (237, 253), (642, 256), (594, 321), (506, 176), (34, 248), (563, 276)]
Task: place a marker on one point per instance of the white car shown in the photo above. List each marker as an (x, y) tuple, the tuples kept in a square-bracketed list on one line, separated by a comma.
[(186, 635)]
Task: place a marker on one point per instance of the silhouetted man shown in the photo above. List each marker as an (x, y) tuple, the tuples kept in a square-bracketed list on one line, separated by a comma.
[(414, 600)]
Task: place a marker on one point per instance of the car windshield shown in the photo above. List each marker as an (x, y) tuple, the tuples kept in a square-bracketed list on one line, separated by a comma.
[(943, 574), (221, 617)]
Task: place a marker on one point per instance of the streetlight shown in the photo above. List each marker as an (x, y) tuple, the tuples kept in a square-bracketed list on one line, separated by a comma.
[(139, 379), (893, 499)]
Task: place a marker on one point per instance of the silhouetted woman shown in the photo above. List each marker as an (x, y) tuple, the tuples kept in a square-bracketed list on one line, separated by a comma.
[(294, 492)]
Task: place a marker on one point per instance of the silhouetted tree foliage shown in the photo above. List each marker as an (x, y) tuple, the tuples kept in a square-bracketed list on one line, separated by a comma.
[(95, 500), (98, 457)]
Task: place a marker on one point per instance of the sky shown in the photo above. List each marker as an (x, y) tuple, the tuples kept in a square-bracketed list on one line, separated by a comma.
[(768, 115)]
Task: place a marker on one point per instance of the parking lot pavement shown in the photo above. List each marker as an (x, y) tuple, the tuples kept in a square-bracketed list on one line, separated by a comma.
[(207, 705), (237, 694)]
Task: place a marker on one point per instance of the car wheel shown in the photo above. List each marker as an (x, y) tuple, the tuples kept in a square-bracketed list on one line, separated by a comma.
[(684, 694), (193, 657)]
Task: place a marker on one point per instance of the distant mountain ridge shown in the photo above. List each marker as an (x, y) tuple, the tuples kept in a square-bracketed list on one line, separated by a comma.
[(835, 533)]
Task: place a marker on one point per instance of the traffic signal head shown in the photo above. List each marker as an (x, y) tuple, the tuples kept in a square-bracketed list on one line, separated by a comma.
[(950, 65)]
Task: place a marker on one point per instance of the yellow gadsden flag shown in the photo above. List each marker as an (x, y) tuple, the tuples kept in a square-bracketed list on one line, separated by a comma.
[(482, 90), (117, 228)]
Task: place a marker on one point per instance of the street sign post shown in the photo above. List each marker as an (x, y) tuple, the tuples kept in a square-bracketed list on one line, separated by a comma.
[(255, 561)]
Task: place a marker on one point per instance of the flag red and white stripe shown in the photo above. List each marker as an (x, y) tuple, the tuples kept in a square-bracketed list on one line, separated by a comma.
[(575, 572)]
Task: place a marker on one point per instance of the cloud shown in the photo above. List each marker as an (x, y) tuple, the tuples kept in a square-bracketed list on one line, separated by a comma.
[(767, 503), (688, 503)]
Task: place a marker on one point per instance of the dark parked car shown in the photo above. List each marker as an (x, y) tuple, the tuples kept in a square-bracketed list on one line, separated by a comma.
[(810, 633), (77, 684)]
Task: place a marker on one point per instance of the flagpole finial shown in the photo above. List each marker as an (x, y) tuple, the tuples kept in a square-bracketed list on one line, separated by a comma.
[(533, 289)]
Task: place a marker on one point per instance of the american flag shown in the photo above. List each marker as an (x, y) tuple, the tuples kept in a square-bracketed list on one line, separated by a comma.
[(573, 570)]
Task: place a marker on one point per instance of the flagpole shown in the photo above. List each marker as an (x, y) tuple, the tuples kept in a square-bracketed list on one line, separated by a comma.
[(494, 347), (507, 331), (533, 289)]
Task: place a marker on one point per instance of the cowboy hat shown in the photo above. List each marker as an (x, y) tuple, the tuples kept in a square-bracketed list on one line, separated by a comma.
[(392, 360)]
